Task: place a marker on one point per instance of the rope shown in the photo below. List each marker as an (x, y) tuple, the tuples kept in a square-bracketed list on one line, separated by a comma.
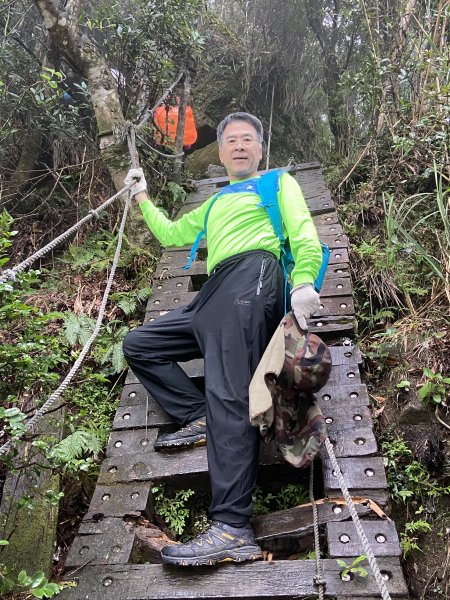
[(86, 348), (158, 152), (10, 274), (319, 581), (362, 535), (169, 90), (84, 352)]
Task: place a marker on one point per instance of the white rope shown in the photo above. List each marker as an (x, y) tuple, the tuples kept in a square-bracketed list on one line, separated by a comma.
[(86, 348), (319, 581), (362, 535), (10, 274)]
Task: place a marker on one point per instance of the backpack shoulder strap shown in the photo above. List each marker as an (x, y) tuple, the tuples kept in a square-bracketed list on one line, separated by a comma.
[(268, 186)]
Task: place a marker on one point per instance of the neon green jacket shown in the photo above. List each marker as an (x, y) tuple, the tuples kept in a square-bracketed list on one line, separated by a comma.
[(236, 224)]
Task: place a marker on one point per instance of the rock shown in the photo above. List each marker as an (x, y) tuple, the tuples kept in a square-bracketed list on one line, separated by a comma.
[(413, 413), (216, 171), (198, 162)]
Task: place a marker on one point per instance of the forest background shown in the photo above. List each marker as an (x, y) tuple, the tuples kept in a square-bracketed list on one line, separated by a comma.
[(363, 86)]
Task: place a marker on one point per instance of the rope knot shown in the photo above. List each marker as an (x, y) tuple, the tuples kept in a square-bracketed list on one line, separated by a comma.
[(94, 213), (319, 580)]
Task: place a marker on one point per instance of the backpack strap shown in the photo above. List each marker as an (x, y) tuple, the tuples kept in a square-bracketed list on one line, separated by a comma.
[(268, 186)]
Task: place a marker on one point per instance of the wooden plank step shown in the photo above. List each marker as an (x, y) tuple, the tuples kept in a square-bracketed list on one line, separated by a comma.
[(343, 395), (358, 442), (108, 541), (343, 539), (119, 500), (298, 521), (277, 580), (329, 305), (364, 476)]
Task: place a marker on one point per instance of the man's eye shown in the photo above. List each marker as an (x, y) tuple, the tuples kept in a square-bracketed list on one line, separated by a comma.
[(231, 141)]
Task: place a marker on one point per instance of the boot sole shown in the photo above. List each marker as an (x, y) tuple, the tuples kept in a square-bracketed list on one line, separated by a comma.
[(193, 442), (238, 555)]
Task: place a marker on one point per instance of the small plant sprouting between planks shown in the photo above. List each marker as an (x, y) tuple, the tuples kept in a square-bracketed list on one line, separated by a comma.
[(353, 569)]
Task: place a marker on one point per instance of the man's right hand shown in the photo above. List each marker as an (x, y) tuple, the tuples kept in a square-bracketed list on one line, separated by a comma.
[(136, 176)]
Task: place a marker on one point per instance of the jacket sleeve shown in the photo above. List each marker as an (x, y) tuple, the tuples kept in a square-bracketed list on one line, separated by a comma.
[(173, 233), (300, 230)]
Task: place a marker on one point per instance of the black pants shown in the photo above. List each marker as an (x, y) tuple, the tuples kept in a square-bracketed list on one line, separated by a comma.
[(229, 323)]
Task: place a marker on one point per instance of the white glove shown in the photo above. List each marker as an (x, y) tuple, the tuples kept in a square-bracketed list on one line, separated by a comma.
[(136, 176), (305, 302)]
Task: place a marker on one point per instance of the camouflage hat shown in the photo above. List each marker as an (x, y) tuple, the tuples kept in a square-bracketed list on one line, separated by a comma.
[(307, 359), (282, 404)]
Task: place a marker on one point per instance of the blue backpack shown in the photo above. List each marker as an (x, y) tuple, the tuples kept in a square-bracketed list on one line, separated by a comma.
[(267, 188)]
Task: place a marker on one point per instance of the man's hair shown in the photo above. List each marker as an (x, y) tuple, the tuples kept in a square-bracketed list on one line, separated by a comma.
[(240, 116)]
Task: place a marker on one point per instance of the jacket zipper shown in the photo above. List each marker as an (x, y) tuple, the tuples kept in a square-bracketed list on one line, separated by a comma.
[(261, 277)]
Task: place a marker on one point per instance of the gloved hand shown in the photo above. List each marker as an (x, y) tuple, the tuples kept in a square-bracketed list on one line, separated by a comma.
[(305, 302), (136, 176)]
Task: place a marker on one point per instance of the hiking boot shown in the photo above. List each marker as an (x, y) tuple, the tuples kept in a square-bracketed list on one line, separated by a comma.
[(192, 434), (219, 543)]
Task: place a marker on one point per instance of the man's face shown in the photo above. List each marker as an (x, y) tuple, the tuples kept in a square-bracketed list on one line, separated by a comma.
[(240, 151)]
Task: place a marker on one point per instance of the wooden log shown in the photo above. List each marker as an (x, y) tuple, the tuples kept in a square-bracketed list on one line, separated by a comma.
[(336, 287), (326, 230), (335, 241), (343, 539), (326, 219), (345, 421), (31, 532), (300, 167), (277, 580)]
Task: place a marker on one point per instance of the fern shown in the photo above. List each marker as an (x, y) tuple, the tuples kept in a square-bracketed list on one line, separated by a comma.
[(127, 301), (78, 328), (76, 445)]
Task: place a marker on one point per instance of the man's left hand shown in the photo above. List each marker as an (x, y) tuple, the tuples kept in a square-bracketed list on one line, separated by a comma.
[(305, 301)]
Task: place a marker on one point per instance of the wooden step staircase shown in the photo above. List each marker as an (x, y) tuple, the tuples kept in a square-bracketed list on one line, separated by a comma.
[(106, 556)]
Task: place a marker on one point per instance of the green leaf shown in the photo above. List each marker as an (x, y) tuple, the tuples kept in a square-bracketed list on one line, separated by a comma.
[(359, 559), (24, 579), (4, 543), (38, 579), (341, 563)]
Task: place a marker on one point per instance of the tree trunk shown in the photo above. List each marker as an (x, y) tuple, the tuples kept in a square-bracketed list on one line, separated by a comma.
[(179, 138), (82, 54)]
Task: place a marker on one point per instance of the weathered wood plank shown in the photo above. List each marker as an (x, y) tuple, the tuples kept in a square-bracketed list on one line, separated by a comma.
[(329, 305), (338, 255), (335, 241), (343, 421), (31, 534), (329, 229), (169, 301), (263, 580), (336, 287), (136, 416), (153, 466), (359, 474), (119, 500), (298, 521), (343, 539), (326, 219), (173, 285), (343, 355), (108, 541), (330, 327), (131, 441), (343, 395), (357, 442), (337, 271)]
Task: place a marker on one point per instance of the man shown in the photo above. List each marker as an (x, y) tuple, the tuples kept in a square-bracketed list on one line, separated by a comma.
[(229, 324)]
